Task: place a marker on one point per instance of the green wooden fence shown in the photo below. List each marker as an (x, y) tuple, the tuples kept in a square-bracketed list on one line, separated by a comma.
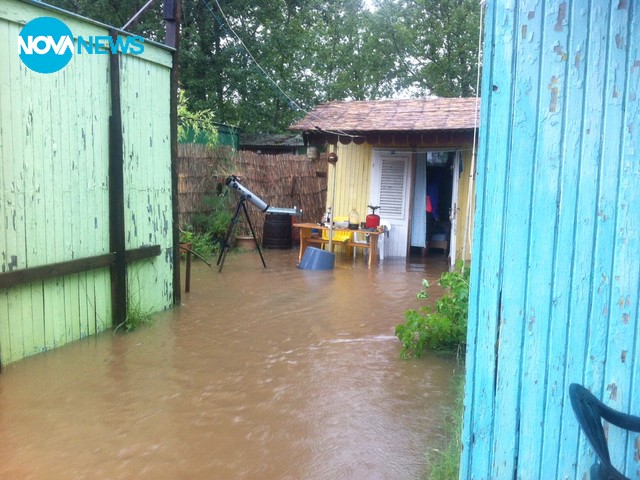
[(57, 202)]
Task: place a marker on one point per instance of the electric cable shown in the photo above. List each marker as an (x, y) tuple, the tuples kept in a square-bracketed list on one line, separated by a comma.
[(291, 102), (467, 227)]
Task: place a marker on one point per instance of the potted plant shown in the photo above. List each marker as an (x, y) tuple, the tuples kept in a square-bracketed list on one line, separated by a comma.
[(244, 239)]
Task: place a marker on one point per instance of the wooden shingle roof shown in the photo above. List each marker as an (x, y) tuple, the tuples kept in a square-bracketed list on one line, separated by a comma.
[(414, 115)]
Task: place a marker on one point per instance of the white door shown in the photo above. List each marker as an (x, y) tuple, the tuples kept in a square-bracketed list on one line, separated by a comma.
[(390, 190), (453, 216)]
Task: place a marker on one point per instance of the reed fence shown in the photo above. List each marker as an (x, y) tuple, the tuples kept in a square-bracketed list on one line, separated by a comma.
[(280, 180)]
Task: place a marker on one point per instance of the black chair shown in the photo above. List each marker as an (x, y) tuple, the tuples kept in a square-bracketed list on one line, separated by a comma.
[(590, 412)]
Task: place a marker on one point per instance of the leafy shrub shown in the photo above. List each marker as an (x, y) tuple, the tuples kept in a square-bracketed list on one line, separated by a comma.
[(209, 229), (442, 326), (201, 242)]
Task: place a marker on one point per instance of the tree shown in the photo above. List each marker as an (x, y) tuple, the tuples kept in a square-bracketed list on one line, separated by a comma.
[(261, 65), (193, 126), (440, 38), (117, 13)]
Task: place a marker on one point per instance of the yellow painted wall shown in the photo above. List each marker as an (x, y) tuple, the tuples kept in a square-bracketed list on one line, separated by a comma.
[(353, 172), (465, 235)]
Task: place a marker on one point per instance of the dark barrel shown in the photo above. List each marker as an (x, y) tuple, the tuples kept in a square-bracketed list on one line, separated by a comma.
[(277, 231)]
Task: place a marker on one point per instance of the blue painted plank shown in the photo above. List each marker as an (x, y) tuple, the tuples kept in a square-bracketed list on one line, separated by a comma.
[(628, 207), (543, 202), (517, 221), (584, 333), (560, 442), (581, 276), (609, 245), (470, 400), (487, 282)]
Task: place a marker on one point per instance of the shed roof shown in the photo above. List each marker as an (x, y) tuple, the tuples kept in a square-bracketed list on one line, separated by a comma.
[(271, 140), (414, 115)]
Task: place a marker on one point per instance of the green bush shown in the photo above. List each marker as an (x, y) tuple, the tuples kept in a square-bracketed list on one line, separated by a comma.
[(442, 326), (201, 242), (209, 229)]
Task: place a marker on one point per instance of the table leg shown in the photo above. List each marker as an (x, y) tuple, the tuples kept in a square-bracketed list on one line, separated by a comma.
[(305, 233), (373, 250)]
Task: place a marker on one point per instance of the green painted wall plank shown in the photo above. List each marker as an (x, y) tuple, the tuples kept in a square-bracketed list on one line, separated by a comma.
[(5, 351), (147, 178), (49, 300), (5, 152), (37, 312), (16, 327)]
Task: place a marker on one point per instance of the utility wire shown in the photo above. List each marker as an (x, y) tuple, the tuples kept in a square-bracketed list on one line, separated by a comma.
[(467, 226), (291, 102)]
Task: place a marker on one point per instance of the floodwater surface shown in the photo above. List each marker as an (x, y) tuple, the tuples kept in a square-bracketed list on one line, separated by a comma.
[(274, 373)]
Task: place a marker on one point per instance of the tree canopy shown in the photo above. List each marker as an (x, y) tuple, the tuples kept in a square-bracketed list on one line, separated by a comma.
[(261, 66)]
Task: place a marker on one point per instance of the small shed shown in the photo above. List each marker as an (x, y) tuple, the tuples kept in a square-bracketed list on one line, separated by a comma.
[(387, 150), (272, 144), (555, 282)]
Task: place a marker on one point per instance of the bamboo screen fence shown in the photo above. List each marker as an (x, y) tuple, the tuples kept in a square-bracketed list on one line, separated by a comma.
[(280, 180)]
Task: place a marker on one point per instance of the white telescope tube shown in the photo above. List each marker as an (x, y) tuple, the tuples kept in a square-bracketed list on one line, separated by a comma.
[(232, 182)]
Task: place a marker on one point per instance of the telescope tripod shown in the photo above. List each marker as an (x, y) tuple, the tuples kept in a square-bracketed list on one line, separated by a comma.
[(232, 226)]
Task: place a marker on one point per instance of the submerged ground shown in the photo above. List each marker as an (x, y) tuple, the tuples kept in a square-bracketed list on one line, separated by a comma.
[(261, 374)]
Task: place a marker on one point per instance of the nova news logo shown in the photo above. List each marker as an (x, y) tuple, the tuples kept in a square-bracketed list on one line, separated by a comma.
[(45, 45)]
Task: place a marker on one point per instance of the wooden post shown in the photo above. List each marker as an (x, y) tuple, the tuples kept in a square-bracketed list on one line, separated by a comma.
[(172, 39), (117, 243)]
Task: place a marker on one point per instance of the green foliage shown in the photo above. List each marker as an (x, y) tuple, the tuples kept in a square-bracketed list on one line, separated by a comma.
[(209, 229), (443, 43), (442, 326), (201, 242), (217, 222), (194, 125), (137, 316), (445, 464), (305, 52)]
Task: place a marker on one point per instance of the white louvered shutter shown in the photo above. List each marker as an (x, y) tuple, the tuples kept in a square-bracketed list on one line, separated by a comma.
[(393, 186)]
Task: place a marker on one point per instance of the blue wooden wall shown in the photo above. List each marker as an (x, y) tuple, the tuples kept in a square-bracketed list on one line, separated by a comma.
[(556, 269)]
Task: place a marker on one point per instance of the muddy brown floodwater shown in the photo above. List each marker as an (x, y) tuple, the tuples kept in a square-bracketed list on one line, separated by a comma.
[(260, 374)]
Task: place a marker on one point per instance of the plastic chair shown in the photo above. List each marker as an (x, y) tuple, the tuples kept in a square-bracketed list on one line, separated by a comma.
[(590, 412), (359, 237), (339, 236), (381, 238)]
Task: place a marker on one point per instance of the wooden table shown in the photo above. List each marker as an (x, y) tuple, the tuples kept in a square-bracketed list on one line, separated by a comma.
[(306, 239)]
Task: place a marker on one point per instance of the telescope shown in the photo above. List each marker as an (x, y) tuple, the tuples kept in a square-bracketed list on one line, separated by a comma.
[(260, 204), (233, 182), (246, 194)]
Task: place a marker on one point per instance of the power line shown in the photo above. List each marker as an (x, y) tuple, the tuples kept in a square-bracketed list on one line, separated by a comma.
[(291, 102)]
